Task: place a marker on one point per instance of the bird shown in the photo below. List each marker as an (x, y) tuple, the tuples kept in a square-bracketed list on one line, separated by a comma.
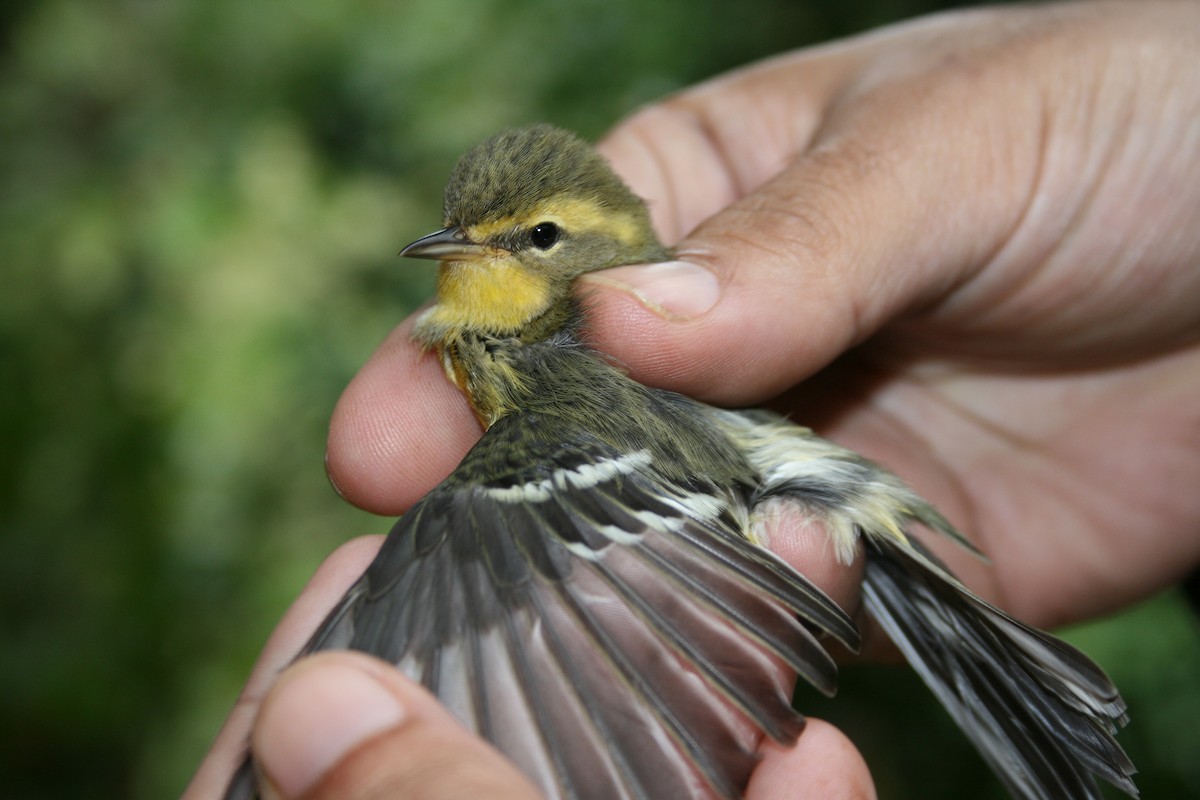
[(590, 590)]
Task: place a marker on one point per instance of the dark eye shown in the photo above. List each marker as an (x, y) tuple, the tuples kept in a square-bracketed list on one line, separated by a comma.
[(544, 235)]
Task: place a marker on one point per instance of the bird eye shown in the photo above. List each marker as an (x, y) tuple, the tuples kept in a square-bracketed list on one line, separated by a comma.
[(544, 235)]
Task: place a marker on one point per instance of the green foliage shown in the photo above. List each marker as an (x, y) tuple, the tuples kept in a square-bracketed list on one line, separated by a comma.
[(200, 203)]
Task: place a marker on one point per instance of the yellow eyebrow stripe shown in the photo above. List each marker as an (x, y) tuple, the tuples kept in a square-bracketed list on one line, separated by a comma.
[(573, 214)]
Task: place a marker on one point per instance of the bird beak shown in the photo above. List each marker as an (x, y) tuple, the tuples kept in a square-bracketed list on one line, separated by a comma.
[(448, 243)]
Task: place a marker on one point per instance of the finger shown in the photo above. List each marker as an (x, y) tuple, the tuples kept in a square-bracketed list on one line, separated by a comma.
[(712, 162), (398, 429), (329, 583), (822, 763), (347, 725), (871, 217), (802, 541)]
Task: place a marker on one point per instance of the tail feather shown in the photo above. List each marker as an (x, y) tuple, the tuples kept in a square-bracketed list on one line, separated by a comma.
[(1039, 711)]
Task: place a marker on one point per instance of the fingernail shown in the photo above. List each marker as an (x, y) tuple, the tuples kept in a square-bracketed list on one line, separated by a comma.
[(678, 290), (314, 718), (332, 481)]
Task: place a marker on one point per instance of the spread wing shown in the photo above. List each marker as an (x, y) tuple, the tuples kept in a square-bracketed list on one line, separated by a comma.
[(617, 636)]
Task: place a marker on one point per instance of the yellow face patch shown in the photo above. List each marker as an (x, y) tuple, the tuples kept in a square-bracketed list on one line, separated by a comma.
[(493, 292)]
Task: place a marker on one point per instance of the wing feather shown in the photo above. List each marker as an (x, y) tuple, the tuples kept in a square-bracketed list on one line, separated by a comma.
[(534, 690), (618, 775), (612, 632), (762, 621), (761, 706), (771, 575), (644, 667), (1040, 712)]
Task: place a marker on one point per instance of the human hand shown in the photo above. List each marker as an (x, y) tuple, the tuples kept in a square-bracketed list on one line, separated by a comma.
[(1002, 210), (998, 208)]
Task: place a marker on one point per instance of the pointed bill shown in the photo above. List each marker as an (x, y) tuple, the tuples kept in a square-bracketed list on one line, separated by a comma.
[(448, 243)]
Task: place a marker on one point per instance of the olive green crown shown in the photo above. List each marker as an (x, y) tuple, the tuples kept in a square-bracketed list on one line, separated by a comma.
[(517, 169)]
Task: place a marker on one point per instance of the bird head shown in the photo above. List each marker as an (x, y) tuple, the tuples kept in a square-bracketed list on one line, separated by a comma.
[(526, 212)]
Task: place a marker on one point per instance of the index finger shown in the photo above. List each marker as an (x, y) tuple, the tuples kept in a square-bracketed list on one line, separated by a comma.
[(399, 428)]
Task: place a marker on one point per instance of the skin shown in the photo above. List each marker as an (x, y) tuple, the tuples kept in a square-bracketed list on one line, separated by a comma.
[(973, 237)]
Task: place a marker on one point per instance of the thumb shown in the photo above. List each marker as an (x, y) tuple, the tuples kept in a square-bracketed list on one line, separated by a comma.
[(347, 725), (874, 203)]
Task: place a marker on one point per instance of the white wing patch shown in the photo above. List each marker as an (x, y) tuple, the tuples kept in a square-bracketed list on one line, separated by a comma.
[(585, 476), (698, 505)]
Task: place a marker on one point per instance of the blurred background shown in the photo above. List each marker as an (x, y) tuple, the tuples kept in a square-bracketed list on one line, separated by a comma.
[(200, 206)]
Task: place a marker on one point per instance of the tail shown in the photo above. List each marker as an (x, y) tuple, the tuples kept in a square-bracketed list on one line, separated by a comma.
[(1040, 712)]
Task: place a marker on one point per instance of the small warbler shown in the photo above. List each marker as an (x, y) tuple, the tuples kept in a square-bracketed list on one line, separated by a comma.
[(588, 590)]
